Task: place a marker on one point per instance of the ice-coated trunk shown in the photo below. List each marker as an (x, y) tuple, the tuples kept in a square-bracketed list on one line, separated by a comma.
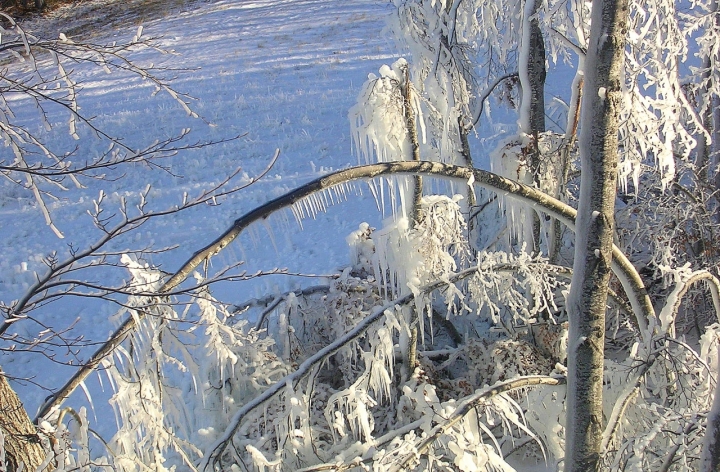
[(408, 341), (531, 68), (702, 156), (21, 443), (602, 96), (406, 85), (715, 145), (708, 150), (708, 147)]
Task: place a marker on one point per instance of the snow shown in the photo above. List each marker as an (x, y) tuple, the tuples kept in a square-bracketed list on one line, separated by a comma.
[(283, 72)]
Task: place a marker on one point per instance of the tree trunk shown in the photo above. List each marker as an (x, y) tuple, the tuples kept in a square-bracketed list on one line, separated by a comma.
[(532, 109), (415, 217), (715, 148), (415, 213), (702, 156), (595, 226), (711, 448), (21, 442)]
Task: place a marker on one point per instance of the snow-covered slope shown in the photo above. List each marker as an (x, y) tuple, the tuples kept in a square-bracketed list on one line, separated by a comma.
[(282, 72)]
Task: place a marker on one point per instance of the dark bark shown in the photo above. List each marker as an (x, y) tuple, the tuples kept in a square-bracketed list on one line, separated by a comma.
[(534, 94), (536, 74)]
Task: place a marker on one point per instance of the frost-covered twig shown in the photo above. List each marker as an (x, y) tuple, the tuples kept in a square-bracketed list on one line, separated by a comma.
[(670, 459), (469, 404), (613, 425), (217, 449), (711, 446), (376, 443)]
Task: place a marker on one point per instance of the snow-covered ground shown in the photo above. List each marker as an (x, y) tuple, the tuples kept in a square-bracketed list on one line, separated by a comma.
[(282, 72)]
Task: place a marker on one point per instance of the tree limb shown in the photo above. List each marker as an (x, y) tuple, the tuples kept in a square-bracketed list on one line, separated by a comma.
[(631, 280)]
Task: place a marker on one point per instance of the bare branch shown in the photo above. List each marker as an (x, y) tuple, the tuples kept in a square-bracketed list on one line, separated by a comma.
[(129, 325), (37, 167)]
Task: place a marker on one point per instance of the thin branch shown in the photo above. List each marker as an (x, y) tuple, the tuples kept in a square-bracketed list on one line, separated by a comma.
[(486, 94), (581, 52), (129, 325)]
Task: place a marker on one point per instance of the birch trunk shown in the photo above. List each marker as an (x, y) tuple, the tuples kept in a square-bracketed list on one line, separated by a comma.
[(594, 238), (415, 213), (532, 108), (702, 156)]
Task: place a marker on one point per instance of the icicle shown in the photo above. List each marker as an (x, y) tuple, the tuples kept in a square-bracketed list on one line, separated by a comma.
[(296, 211), (254, 236), (382, 198), (375, 194), (270, 233), (338, 193), (307, 209), (326, 198), (316, 204), (320, 198), (344, 194), (311, 206), (240, 247)]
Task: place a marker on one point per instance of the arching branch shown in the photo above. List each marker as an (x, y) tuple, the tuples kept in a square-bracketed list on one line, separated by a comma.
[(669, 312), (623, 269)]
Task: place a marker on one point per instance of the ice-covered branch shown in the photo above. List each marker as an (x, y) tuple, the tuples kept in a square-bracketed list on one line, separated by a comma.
[(218, 448), (468, 405), (684, 282), (630, 279)]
